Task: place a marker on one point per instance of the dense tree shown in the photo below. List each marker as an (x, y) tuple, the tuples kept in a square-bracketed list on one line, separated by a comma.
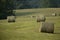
[(53, 3), (6, 8), (37, 4), (58, 3), (44, 3)]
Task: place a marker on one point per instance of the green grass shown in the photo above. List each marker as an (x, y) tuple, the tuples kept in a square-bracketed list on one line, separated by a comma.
[(26, 28)]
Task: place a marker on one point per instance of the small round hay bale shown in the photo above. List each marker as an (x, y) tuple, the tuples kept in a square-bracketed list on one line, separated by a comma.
[(41, 19), (33, 16), (47, 27), (38, 19), (11, 18), (54, 14)]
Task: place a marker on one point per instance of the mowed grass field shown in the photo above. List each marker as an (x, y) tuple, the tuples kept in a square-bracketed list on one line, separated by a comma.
[(26, 26)]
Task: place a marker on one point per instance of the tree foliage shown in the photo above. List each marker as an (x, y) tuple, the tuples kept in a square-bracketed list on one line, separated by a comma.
[(37, 4), (6, 8)]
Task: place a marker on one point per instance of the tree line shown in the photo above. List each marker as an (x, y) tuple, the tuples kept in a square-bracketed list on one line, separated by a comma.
[(21, 4), (7, 6)]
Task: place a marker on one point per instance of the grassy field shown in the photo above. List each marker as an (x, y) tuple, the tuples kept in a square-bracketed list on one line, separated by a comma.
[(26, 27)]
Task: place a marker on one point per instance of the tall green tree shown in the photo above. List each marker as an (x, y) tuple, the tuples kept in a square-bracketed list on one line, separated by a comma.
[(53, 3), (38, 3), (6, 8), (58, 3), (44, 3)]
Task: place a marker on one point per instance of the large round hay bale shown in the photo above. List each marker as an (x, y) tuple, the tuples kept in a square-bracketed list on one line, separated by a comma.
[(11, 18), (47, 27), (41, 19)]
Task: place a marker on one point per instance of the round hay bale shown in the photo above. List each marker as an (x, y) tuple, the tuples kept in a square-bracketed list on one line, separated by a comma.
[(11, 18), (38, 19), (54, 14), (47, 27), (41, 19), (33, 16)]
